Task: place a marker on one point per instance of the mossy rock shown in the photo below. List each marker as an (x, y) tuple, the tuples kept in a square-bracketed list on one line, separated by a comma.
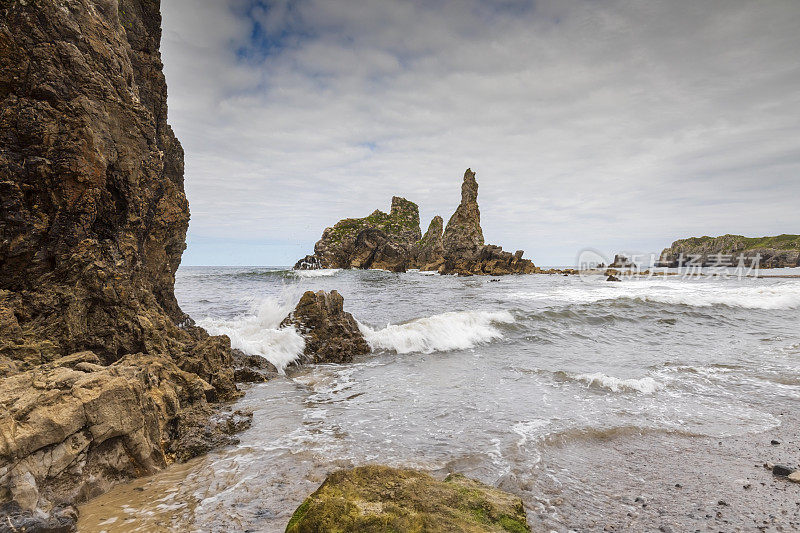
[(382, 499)]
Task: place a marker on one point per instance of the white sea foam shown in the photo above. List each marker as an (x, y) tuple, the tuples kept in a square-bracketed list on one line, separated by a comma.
[(754, 295), (438, 333), (319, 273), (646, 385), (259, 333)]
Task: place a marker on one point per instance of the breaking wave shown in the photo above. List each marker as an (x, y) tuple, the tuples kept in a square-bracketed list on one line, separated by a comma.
[(259, 333), (439, 333), (319, 273), (773, 296), (645, 385)]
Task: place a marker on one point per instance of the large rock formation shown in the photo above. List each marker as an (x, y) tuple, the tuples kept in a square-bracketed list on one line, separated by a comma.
[(392, 242), (780, 251), (380, 240), (331, 334), (93, 219), (378, 498), (463, 235)]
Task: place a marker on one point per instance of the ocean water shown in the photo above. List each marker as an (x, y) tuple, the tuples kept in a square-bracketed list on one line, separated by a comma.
[(489, 378)]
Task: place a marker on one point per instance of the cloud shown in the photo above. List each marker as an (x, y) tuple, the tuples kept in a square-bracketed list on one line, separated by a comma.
[(620, 125)]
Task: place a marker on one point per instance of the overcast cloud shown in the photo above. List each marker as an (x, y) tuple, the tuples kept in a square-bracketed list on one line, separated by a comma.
[(618, 125)]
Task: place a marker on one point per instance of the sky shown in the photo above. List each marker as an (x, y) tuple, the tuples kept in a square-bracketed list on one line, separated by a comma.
[(616, 125)]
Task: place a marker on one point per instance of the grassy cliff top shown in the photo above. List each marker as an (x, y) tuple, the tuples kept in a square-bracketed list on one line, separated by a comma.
[(738, 243), (403, 218)]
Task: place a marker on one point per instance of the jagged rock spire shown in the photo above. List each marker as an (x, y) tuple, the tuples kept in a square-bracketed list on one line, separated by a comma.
[(463, 234)]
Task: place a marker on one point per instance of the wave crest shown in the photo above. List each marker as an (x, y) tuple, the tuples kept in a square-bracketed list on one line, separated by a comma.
[(645, 385), (259, 333), (439, 333)]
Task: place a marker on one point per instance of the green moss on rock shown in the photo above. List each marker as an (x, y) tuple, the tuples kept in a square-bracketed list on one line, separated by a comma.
[(379, 499)]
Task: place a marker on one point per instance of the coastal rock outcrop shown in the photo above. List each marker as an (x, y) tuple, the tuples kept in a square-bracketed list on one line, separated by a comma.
[(379, 498), (331, 334), (394, 242), (72, 428), (781, 251), (380, 240), (98, 364)]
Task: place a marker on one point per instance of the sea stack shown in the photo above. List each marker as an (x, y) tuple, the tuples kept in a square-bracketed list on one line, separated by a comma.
[(463, 235), (98, 364), (393, 242)]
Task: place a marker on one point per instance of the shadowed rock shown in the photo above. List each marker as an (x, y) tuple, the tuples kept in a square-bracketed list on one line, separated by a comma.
[(99, 367), (331, 334), (430, 249)]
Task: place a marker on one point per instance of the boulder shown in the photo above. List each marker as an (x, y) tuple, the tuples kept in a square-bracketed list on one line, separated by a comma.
[(378, 498), (331, 334)]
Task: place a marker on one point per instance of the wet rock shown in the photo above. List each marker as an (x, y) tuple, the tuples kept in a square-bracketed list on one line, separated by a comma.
[(332, 335), (204, 428), (378, 498), (14, 518), (68, 434), (252, 368), (781, 470)]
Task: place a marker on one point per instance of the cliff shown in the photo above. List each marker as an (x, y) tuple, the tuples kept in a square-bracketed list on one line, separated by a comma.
[(93, 225), (393, 242), (780, 251)]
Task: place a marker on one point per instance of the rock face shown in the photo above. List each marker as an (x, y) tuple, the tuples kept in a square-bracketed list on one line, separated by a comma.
[(72, 428), (392, 242), (780, 251), (430, 249), (93, 219), (331, 334), (378, 498), (463, 235)]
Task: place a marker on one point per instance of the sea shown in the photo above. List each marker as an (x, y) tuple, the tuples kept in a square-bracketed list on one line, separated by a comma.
[(528, 383)]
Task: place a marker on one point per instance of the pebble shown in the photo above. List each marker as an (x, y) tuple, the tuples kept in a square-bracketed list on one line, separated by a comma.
[(795, 476), (781, 470), (775, 442)]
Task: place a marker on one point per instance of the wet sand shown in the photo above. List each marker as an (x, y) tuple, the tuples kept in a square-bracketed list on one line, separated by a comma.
[(621, 482)]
